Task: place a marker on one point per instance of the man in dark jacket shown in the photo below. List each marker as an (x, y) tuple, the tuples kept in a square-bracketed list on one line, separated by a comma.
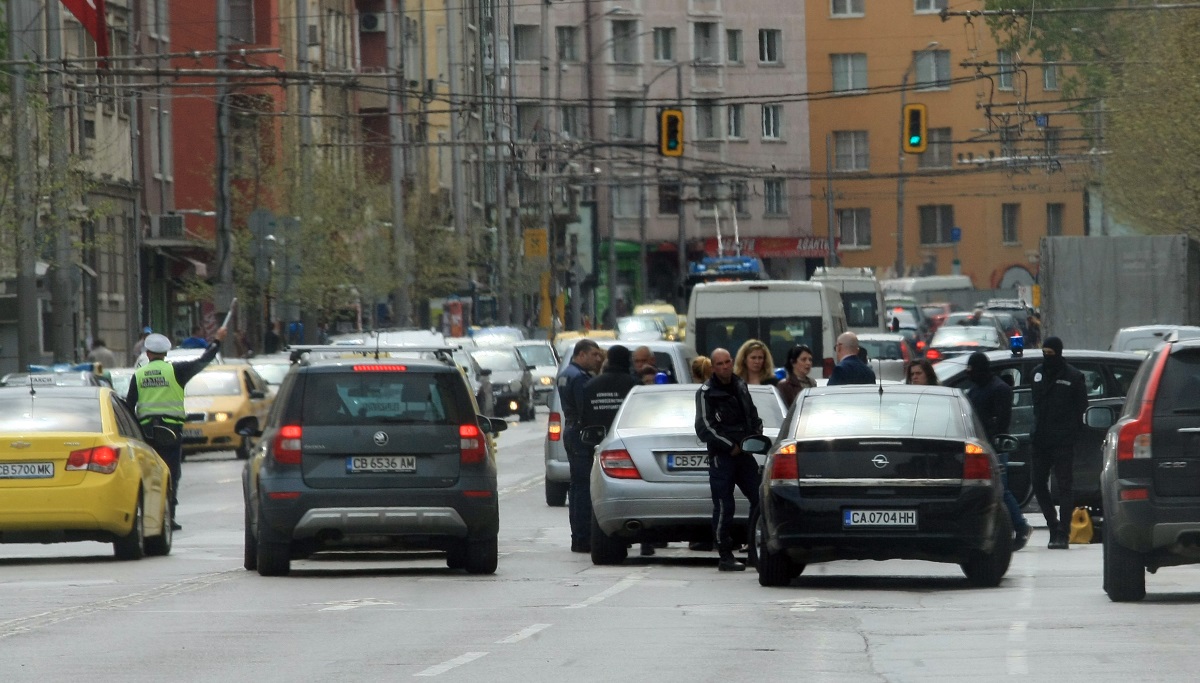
[(1059, 401), (991, 397), (850, 368), (585, 361), (725, 414)]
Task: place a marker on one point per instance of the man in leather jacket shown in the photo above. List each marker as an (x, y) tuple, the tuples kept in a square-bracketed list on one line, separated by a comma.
[(1059, 401)]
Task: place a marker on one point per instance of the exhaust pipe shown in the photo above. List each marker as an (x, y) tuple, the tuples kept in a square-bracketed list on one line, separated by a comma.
[(633, 525)]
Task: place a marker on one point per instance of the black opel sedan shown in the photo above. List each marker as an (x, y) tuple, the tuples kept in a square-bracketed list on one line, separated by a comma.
[(881, 472)]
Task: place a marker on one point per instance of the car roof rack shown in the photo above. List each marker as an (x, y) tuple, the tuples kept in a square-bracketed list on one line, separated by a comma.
[(304, 353)]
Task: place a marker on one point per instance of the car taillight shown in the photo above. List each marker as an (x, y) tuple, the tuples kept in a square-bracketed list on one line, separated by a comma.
[(381, 368), (286, 447), (102, 459), (921, 345), (471, 444), (1133, 439), (554, 427), (933, 355), (619, 465), (784, 464), (827, 365), (977, 466)]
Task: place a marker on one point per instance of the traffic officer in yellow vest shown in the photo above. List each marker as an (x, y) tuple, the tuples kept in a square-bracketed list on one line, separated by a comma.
[(156, 398)]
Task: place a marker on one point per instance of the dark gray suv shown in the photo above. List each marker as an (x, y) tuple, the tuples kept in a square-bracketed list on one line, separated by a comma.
[(372, 451)]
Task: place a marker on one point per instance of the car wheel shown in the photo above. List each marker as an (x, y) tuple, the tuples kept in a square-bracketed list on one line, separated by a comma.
[(1124, 570), (250, 546), (987, 569), (243, 449), (556, 493), (456, 556), (606, 549), (774, 569), (132, 546), (274, 558), (160, 545), (482, 556)]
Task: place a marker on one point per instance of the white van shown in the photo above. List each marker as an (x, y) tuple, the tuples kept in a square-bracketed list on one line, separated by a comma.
[(920, 288), (862, 297), (781, 313)]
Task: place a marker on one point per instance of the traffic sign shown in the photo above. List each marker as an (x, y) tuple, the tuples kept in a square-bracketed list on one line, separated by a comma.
[(536, 243), (956, 234)]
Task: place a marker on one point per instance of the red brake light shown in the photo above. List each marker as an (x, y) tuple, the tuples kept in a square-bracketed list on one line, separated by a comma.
[(1139, 493), (471, 444), (102, 459), (286, 447), (619, 465), (921, 345), (784, 464), (933, 354), (380, 368), (554, 427), (976, 464), (1133, 439)]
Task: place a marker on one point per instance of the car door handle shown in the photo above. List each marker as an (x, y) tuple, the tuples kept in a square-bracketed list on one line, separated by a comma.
[(1189, 430)]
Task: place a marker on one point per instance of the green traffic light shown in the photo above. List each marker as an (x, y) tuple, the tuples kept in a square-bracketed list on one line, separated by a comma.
[(914, 139), (672, 144)]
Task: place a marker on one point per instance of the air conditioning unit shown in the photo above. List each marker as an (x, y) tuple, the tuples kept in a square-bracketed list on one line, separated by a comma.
[(167, 226), (372, 22)]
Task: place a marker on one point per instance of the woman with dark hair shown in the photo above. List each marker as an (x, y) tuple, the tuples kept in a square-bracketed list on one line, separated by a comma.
[(799, 364), (920, 371)]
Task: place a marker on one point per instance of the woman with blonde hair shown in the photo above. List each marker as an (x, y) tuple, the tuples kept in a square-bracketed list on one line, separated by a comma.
[(754, 363), (701, 369)]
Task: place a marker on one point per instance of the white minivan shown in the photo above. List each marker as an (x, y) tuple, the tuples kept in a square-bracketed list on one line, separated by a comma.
[(781, 313), (862, 297)]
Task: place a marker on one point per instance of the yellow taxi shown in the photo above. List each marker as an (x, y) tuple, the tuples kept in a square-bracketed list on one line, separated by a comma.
[(73, 467), (216, 400), (676, 324)]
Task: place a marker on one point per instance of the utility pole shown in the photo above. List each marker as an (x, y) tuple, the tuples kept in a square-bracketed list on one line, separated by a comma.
[(457, 184), (831, 258), (62, 315), (503, 292), (401, 239), (517, 222), (682, 217), (28, 343), (551, 300), (224, 289)]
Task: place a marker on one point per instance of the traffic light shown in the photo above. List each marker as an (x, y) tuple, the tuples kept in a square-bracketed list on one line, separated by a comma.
[(915, 128), (670, 132)]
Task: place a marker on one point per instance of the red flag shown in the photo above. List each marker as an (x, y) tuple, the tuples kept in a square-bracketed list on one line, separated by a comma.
[(91, 13)]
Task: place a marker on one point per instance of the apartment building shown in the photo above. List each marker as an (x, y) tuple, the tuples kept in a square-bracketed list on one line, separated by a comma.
[(1005, 164)]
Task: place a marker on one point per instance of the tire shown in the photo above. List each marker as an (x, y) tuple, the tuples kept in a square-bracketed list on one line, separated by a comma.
[(243, 450), (482, 557), (556, 493), (132, 546), (160, 545), (274, 558), (250, 546), (1124, 570), (456, 556), (605, 549), (985, 570), (774, 569)]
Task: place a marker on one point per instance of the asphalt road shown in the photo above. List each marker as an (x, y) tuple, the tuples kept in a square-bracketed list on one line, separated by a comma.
[(72, 613)]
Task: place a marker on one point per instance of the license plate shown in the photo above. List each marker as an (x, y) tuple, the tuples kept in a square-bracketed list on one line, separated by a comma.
[(382, 463), (193, 434), (689, 461), (27, 470), (892, 518)]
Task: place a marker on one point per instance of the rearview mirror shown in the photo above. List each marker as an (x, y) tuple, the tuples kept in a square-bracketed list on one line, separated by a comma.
[(593, 435), (248, 426), (491, 425), (1005, 443), (484, 372), (257, 393), (1099, 417), (757, 445)]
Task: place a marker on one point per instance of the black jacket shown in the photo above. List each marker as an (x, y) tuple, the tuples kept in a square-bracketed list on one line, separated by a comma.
[(1059, 400), (725, 414), (602, 396), (851, 371), (992, 402)]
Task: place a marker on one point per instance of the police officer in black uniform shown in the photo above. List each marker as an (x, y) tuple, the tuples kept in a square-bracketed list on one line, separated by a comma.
[(585, 361), (1059, 401), (603, 395)]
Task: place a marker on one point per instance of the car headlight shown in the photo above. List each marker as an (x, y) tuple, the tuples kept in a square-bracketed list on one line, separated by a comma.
[(546, 381), (515, 385), (221, 417)]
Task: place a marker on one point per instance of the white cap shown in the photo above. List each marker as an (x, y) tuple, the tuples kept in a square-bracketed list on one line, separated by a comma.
[(157, 343)]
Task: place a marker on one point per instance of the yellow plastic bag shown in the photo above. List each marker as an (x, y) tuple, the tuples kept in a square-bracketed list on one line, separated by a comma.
[(1081, 526)]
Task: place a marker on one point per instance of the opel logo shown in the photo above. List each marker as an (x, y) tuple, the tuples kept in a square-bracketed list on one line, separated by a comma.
[(381, 438), (880, 461)]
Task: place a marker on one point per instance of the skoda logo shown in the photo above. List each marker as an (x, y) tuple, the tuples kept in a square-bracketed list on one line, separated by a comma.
[(381, 438), (880, 461)]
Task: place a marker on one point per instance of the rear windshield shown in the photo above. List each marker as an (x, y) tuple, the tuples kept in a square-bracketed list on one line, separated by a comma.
[(538, 356), (861, 309), (48, 413), (213, 384), (1179, 390), (882, 349), (900, 415), (273, 373), (393, 397), (677, 410), (780, 334), (959, 334)]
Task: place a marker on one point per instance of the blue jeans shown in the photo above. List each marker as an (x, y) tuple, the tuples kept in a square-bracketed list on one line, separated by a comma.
[(1010, 501)]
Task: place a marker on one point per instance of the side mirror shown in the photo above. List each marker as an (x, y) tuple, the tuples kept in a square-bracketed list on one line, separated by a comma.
[(258, 393), (1005, 443), (1099, 417), (248, 426), (485, 373), (757, 445), (593, 435)]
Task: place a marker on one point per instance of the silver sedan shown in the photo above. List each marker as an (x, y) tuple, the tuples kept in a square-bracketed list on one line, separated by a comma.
[(650, 477)]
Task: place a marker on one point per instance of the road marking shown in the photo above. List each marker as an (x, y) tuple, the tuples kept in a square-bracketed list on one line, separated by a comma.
[(623, 584), (229, 480), (343, 605), (522, 486), (523, 634), (451, 664), (1018, 659)]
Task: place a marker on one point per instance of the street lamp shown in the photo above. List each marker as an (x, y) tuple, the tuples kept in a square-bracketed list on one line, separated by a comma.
[(900, 180)]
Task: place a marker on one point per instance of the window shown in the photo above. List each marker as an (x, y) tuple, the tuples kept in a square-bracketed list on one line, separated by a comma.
[(936, 222), (933, 68), (707, 120), (739, 196), (708, 195), (668, 197), (772, 122), (938, 152), (1004, 63), (664, 44), (624, 119), (705, 42), (625, 201), (529, 115), (736, 114), (850, 150), (929, 5), (846, 8), (1050, 76), (241, 20), (338, 46), (774, 198), (570, 121), (567, 41), (733, 46), (527, 42), (849, 72), (1054, 220), (1052, 137), (1010, 223), (624, 47), (770, 46), (854, 227)]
